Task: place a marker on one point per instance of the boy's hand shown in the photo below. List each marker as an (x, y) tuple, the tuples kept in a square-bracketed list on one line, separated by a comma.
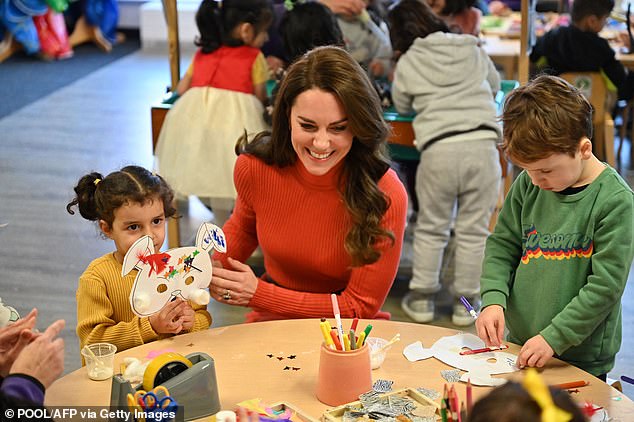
[(535, 352), (167, 320), (187, 317), (490, 325)]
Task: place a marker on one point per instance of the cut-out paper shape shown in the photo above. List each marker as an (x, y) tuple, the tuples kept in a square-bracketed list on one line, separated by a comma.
[(482, 379), (479, 367), (181, 272), (154, 353), (416, 351)]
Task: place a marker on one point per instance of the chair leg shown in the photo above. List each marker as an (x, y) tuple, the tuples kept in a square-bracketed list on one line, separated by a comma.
[(173, 233), (625, 118), (608, 141)]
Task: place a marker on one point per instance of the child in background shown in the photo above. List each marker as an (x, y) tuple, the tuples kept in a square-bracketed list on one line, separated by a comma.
[(222, 94), (306, 26), (127, 205), (557, 263), (531, 401), (461, 16), (579, 48), (367, 41), (449, 82), (303, 27)]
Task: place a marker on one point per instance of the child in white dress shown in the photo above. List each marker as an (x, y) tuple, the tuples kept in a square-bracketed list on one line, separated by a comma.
[(222, 94)]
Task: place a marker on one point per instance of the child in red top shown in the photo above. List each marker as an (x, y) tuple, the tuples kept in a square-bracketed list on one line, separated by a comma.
[(222, 94)]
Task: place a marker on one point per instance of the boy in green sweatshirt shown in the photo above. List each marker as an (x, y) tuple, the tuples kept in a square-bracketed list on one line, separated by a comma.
[(557, 262)]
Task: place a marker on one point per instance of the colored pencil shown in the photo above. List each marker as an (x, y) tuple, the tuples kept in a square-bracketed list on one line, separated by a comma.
[(469, 395), (572, 384), (443, 410)]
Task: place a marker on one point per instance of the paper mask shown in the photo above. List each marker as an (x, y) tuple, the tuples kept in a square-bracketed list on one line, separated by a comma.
[(479, 367), (181, 272)]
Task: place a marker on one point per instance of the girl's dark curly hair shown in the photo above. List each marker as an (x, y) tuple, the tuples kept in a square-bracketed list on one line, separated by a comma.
[(98, 197)]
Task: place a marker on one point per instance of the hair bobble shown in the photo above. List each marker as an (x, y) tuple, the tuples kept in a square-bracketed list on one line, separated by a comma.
[(96, 181), (290, 4), (538, 390)]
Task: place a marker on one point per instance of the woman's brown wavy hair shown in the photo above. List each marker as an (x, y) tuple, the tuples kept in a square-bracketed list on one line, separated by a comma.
[(333, 70)]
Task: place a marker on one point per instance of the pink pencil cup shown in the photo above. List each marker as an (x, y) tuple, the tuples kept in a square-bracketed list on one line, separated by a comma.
[(343, 376)]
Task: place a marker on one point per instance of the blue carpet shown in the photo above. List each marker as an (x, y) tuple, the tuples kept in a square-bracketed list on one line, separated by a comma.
[(25, 79)]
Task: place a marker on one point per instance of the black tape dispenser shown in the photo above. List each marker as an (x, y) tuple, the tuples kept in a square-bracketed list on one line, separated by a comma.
[(191, 381)]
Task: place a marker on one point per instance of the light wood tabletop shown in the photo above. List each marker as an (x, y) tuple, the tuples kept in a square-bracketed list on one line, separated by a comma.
[(244, 369)]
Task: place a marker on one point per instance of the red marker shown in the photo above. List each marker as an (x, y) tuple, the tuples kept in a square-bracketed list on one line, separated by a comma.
[(354, 324), (484, 350)]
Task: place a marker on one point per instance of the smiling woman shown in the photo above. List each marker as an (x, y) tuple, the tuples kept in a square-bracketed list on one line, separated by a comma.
[(319, 198)]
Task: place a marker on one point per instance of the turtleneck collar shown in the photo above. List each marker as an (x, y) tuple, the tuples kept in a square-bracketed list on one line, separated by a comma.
[(327, 181)]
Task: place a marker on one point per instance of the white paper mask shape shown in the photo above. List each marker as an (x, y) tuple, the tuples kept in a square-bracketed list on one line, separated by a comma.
[(181, 272)]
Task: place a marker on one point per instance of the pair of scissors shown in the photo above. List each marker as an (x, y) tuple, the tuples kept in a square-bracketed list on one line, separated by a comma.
[(134, 407), (150, 401)]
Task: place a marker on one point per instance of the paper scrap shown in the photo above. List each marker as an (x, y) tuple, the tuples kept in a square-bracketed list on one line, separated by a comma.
[(482, 379), (416, 351)]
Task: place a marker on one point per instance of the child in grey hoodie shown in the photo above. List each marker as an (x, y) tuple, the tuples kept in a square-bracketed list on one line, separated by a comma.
[(449, 82)]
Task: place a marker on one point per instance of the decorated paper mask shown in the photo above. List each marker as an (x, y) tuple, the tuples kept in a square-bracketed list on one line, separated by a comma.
[(8, 314), (181, 272)]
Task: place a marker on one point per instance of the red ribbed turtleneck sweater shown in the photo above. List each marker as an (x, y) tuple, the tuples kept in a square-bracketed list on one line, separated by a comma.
[(300, 222)]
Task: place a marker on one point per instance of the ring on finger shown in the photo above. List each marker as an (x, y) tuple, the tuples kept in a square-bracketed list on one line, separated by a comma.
[(227, 295)]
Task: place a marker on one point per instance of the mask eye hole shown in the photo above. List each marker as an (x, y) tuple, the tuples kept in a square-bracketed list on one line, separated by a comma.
[(189, 280), (161, 288)]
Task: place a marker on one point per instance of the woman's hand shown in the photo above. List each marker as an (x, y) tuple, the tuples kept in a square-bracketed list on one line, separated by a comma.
[(347, 8), (235, 286), (490, 325), (14, 338), (43, 358)]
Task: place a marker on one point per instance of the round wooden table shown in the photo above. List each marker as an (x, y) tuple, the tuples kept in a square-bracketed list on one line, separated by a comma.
[(278, 361)]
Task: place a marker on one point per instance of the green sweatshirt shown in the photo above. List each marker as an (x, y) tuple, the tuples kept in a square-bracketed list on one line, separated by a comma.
[(558, 265)]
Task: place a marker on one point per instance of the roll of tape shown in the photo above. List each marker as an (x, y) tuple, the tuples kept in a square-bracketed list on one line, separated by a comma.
[(164, 367)]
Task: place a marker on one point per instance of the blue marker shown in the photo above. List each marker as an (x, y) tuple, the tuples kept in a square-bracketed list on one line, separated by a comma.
[(467, 305), (627, 379)]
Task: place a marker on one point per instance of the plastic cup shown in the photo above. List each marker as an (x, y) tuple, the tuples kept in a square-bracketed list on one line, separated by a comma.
[(377, 356), (99, 360), (343, 376)]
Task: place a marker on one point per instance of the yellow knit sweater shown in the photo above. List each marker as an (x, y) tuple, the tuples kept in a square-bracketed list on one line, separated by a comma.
[(104, 313)]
